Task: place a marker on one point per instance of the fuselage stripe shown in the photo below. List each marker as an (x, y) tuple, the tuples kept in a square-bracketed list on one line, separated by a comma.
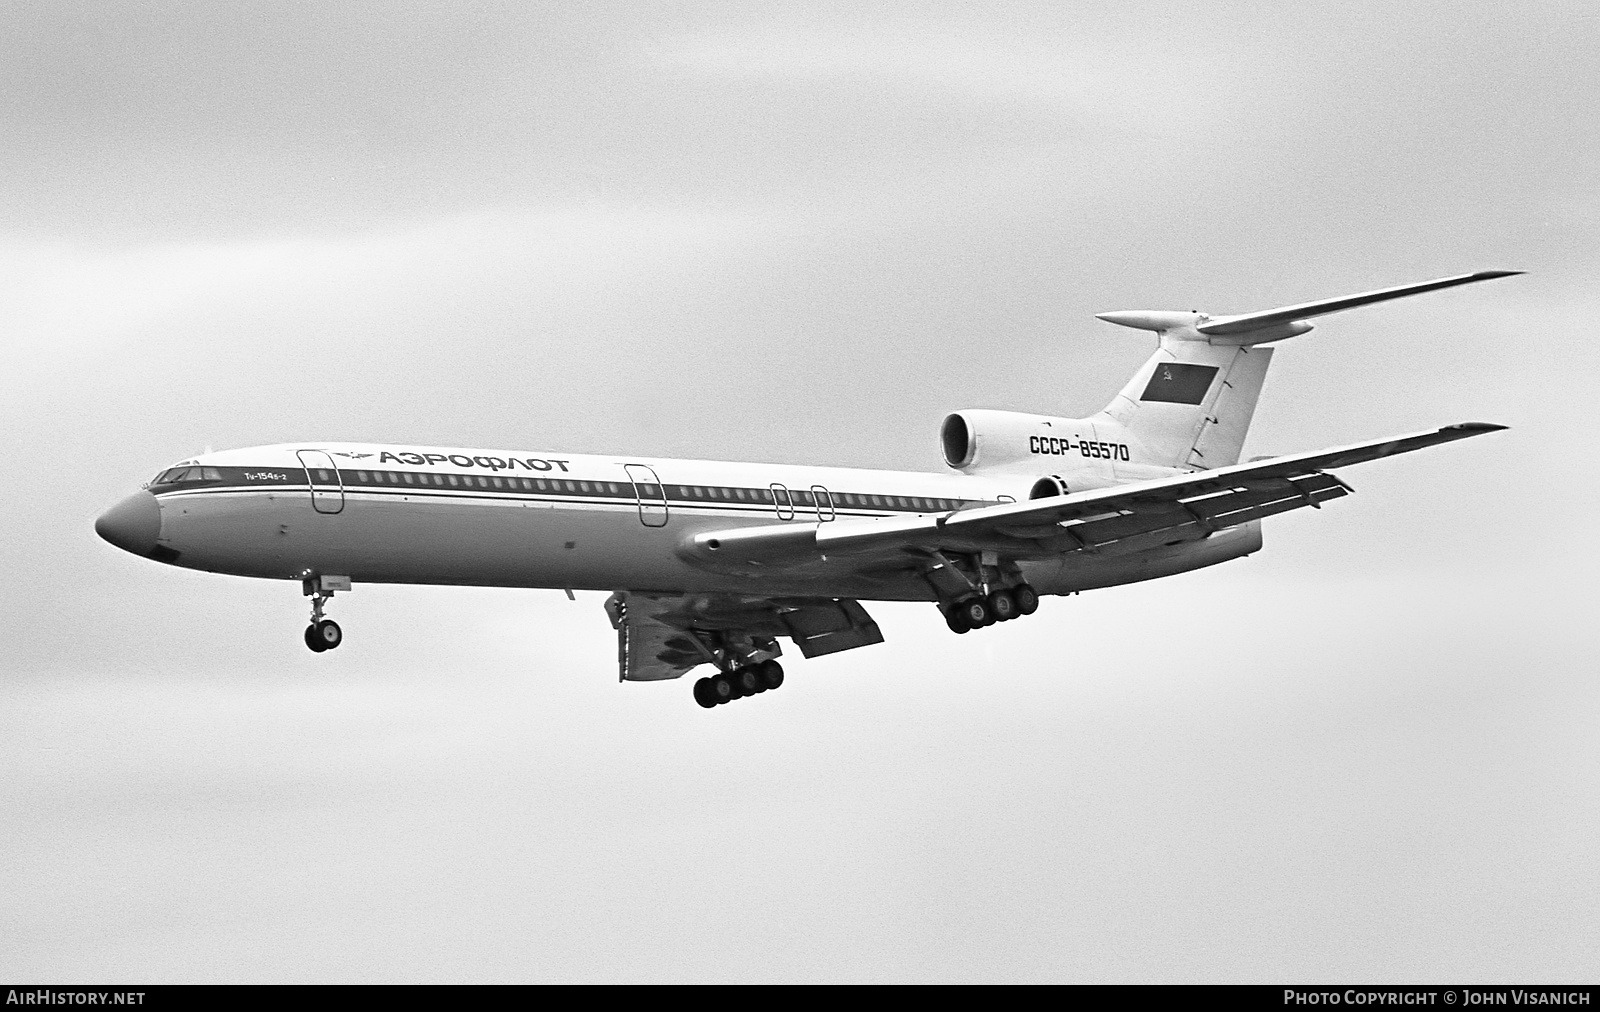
[(628, 504), (787, 503)]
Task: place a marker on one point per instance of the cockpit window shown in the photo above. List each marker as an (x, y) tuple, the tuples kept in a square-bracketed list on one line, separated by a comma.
[(173, 475)]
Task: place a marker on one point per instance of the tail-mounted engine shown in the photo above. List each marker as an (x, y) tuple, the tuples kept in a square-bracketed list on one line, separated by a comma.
[(978, 440), (1049, 485)]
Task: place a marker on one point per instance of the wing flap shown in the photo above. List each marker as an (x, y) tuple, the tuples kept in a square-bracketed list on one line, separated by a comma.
[(662, 636), (827, 627), (648, 649)]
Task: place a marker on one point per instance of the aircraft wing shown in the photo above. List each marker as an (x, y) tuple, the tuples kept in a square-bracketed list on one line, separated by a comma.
[(662, 636), (1124, 518)]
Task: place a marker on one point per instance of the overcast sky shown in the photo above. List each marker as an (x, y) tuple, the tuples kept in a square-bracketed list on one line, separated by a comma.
[(800, 233)]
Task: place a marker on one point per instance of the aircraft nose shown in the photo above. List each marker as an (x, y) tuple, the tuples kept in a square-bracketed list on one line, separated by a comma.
[(133, 524)]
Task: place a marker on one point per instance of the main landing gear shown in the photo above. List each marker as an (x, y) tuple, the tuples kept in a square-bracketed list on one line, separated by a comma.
[(747, 680), (323, 633), (1000, 605)]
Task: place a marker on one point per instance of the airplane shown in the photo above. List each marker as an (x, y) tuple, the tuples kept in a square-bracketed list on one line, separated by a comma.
[(712, 562)]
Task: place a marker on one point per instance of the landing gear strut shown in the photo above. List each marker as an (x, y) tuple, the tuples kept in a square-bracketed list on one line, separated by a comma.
[(323, 633)]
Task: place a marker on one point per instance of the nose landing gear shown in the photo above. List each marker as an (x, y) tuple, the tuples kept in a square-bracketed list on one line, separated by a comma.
[(323, 633)]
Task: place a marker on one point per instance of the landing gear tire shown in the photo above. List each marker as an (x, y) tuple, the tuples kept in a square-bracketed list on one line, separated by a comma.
[(326, 632), (975, 612), (1027, 599), (749, 681), (314, 641), (1002, 605), (956, 619), (771, 673), (703, 693), (727, 686)]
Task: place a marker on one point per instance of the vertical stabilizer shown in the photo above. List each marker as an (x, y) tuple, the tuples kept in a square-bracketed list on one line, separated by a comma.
[(1191, 403)]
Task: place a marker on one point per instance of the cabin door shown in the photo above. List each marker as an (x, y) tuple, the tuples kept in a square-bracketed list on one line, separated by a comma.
[(322, 478), (782, 501), (652, 497)]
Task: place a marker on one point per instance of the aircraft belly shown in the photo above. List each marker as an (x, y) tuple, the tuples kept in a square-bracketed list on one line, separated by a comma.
[(503, 543)]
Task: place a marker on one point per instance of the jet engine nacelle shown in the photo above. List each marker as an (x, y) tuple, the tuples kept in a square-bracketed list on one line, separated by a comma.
[(981, 439), (1049, 485)]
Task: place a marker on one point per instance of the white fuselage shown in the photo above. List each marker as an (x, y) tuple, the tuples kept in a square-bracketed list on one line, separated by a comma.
[(397, 514)]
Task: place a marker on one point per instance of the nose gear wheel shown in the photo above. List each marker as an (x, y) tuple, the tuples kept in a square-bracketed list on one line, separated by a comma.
[(324, 635)]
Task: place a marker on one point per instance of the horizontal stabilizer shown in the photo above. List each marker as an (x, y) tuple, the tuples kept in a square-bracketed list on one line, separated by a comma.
[(1288, 314)]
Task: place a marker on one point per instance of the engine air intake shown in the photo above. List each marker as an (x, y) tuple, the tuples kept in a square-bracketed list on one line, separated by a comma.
[(956, 439), (1047, 486)]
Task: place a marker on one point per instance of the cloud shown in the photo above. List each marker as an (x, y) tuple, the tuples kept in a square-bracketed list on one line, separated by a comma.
[(62, 298), (1098, 79)]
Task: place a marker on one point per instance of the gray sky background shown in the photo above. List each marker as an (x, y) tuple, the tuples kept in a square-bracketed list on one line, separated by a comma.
[(800, 233)]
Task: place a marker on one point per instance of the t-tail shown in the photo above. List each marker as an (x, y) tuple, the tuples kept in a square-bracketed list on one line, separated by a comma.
[(1189, 406)]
